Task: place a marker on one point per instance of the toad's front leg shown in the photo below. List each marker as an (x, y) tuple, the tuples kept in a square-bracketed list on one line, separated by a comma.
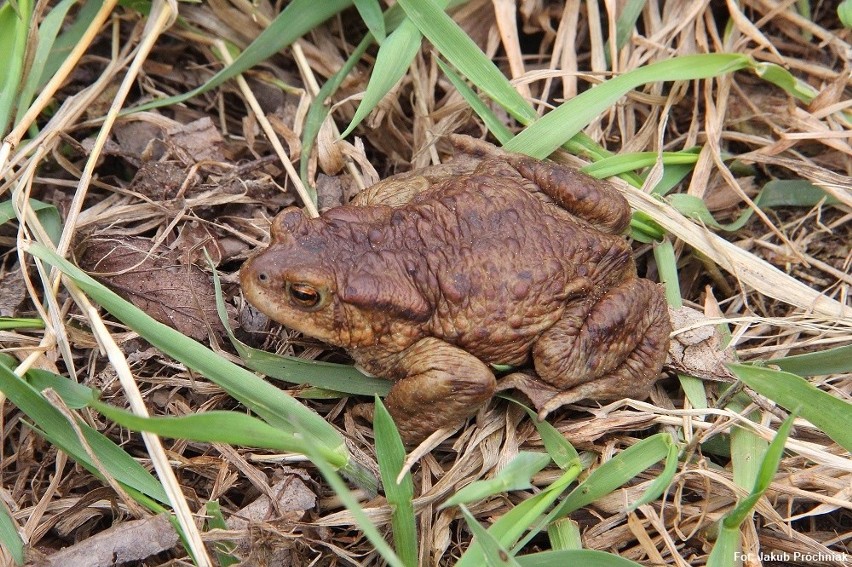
[(441, 386)]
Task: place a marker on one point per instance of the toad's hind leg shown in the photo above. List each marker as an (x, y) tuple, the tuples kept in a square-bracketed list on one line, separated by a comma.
[(606, 350), (594, 200), (443, 385)]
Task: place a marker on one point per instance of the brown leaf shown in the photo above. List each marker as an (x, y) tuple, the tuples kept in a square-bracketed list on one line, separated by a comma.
[(128, 541), (292, 499), (194, 238), (269, 523), (140, 141), (583, 432), (181, 296), (199, 140), (13, 291), (696, 347), (330, 191)]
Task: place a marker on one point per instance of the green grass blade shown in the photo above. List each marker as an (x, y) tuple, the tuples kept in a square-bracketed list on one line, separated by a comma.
[(12, 323), (792, 193), (318, 111), (564, 534), (608, 477), (391, 455), (672, 175), (298, 18), (667, 267), (765, 473), (694, 389), (215, 520), (844, 13), (832, 361), (74, 394), (693, 207), (214, 427), (616, 472), (53, 425), (371, 12), (270, 403), (69, 38), (624, 25), (48, 31), (511, 525), (460, 50), (804, 8), (661, 482), (15, 22), (747, 448), (10, 538), (725, 549), (345, 495), (342, 378), (561, 451), (517, 475), (584, 146), (561, 124), (781, 193), (781, 77), (624, 163), (728, 542), (47, 214), (644, 229), (392, 62), (829, 414), (584, 557), (495, 554), (492, 122)]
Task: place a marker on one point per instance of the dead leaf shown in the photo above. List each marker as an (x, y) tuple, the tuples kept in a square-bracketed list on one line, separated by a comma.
[(584, 432), (13, 291), (125, 542), (538, 391), (330, 191), (193, 239), (199, 141), (140, 141), (180, 296), (294, 144), (696, 348), (268, 523), (292, 499)]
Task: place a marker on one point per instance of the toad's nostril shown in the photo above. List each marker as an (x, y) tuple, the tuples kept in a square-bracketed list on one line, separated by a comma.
[(262, 277)]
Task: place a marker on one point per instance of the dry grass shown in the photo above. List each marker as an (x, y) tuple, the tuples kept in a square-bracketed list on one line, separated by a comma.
[(217, 182)]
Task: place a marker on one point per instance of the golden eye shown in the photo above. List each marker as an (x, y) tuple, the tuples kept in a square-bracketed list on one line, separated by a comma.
[(304, 295)]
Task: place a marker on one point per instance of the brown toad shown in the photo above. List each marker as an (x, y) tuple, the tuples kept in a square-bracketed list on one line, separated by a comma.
[(496, 258)]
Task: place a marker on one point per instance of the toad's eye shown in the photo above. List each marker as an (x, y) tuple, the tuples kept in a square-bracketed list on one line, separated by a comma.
[(304, 295)]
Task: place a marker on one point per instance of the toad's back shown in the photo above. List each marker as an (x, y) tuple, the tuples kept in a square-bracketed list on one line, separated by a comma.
[(497, 262)]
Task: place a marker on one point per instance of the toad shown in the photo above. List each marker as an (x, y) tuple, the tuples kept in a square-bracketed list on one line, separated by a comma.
[(494, 258)]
